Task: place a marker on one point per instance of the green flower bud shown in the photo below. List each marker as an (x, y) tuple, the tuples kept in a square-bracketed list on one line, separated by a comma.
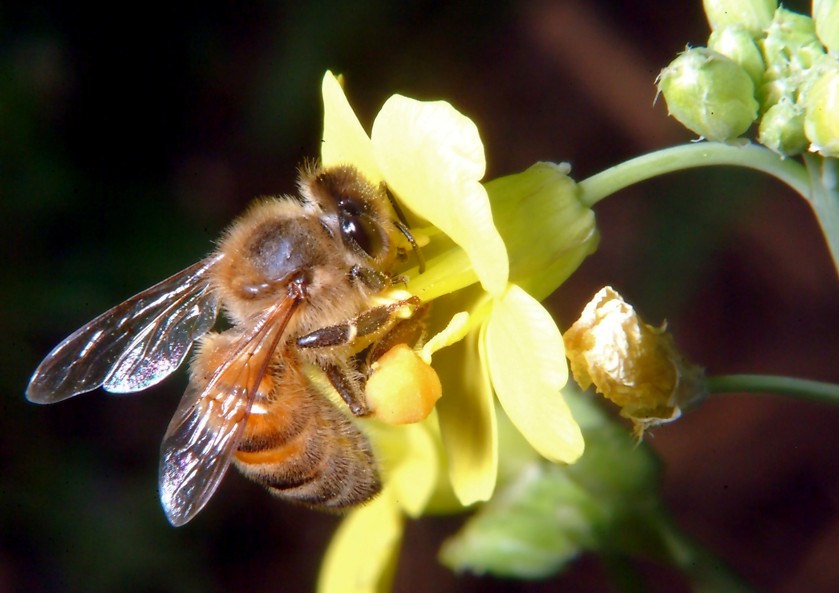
[(709, 94), (826, 17), (782, 129), (739, 45), (542, 201), (791, 45), (774, 91), (821, 120), (753, 15)]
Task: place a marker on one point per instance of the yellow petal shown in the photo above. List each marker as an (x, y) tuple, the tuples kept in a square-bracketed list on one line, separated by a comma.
[(467, 420), (344, 139), (411, 463), (433, 159), (362, 554), (526, 360), (415, 478)]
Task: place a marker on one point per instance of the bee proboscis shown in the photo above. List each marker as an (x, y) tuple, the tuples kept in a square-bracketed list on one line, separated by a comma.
[(297, 277)]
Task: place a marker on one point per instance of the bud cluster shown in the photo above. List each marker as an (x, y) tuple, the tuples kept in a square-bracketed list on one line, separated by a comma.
[(763, 64)]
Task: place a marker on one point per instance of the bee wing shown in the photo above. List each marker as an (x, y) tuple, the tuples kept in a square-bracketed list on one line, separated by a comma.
[(208, 424), (134, 345)]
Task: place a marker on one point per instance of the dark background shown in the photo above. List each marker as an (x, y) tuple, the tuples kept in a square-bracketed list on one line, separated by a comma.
[(132, 134)]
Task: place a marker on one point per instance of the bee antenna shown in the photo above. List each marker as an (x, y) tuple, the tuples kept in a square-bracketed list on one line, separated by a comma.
[(414, 247), (402, 225)]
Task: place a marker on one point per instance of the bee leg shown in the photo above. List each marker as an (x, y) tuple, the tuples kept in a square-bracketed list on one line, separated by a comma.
[(409, 331), (377, 319), (381, 328), (370, 277), (351, 391)]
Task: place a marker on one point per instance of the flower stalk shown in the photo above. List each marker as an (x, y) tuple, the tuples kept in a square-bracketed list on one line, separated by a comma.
[(824, 199), (705, 571), (817, 180), (691, 156), (805, 389)]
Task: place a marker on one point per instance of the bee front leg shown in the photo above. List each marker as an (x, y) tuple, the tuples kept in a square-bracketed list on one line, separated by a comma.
[(371, 278)]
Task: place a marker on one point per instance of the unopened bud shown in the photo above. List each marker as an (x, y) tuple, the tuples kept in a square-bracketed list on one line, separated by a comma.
[(782, 129), (826, 17), (791, 45), (774, 91), (739, 45), (752, 15), (709, 93), (821, 120)]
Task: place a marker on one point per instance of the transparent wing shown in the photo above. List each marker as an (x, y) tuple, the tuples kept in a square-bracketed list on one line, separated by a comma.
[(134, 345), (208, 424)]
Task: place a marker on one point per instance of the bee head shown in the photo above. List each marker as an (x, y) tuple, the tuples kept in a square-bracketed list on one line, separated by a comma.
[(355, 209)]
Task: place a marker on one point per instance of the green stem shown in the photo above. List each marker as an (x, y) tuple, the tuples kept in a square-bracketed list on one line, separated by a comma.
[(687, 156), (623, 573), (824, 179), (706, 572), (800, 388), (818, 183)]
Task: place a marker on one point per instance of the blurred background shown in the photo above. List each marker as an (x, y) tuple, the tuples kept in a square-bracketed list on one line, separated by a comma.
[(132, 136)]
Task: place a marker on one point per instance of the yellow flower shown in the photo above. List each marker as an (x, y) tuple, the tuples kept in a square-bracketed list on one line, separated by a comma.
[(631, 363), (492, 337)]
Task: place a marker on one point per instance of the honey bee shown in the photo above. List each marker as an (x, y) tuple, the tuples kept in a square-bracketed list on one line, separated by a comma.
[(302, 280)]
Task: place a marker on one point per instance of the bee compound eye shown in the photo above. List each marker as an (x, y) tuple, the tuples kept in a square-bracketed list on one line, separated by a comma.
[(360, 229)]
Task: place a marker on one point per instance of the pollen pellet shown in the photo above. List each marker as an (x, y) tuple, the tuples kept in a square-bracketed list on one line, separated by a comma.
[(403, 388)]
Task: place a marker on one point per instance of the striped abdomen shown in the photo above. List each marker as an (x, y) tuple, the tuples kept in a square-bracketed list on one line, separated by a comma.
[(302, 448)]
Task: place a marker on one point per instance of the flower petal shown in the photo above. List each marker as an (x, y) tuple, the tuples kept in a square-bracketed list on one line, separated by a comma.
[(526, 360), (432, 158), (415, 478), (362, 554), (344, 139), (467, 420), (411, 462)]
